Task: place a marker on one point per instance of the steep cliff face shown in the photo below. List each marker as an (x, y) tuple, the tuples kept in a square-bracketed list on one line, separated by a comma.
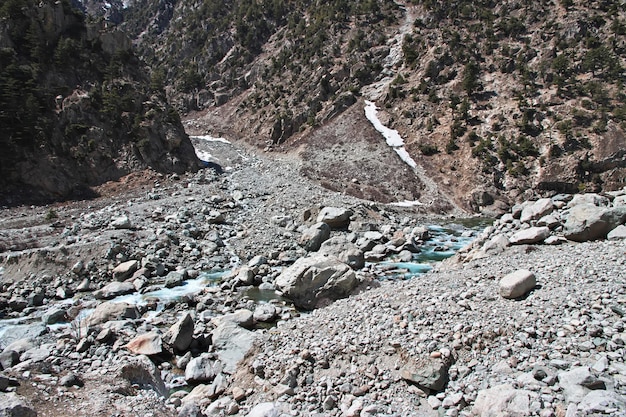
[(77, 106), (497, 101)]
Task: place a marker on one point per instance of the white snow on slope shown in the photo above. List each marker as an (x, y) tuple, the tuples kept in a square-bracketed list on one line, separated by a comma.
[(211, 139), (203, 156), (392, 137), (407, 203)]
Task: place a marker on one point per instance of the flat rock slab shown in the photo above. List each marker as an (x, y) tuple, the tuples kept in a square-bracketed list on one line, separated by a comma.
[(517, 283), (619, 233), (530, 235), (114, 289), (502, 400), (232, 343), (146, 344), (125, 270)]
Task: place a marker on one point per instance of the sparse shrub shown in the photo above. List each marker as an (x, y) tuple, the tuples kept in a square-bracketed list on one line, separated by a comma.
[(51, 214), (427, 149)]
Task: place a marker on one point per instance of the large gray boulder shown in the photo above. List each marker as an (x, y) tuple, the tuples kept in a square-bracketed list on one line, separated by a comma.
[(537, 210), (344, 250), (313, 237), (13, 405), (335, 217), (590, 222), (180, 335), (232, 343), (202, 369), (313, 279), (141, 371)]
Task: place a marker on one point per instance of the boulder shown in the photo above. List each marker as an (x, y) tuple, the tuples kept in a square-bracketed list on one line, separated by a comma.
[(550, 221), (242, 317), (315, 278), (265, 312), (13, 405), (141, 371), (530, 235), (202, 395), (517, 283), (175, 278), (313, 237), (202, 369), (589, 198), (125, 270), (344, 250), (502, 400), (146, 344), (496, 245), (431, 374), (619, 233), (589, 222), (536, 210), (54, 315), (602, 402), (112, 311), (419, 234), (245, 276), (232, 343), (180, 335), (9, 358), (336, 218), (114, 289), (575, 383)]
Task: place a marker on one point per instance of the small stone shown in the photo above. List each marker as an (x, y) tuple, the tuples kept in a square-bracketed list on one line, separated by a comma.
[(238, 394), (121, 222)]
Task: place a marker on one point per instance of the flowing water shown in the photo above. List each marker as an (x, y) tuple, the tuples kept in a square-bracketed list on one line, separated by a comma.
[(444, 241)]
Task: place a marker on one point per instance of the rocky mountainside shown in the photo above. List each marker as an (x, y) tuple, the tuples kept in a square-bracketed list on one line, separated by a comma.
[(77, 106), (496, 101)]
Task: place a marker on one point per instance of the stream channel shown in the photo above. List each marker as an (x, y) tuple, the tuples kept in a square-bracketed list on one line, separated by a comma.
[(443, 242)]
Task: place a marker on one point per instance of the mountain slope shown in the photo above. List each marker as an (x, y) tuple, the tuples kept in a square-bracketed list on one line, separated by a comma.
[(497, 101), (77, 106)]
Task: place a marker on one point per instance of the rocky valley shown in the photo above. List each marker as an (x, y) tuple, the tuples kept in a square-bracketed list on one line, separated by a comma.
[(212, 294), (271, 208)]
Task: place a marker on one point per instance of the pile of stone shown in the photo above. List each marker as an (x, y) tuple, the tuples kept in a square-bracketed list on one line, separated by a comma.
[(449, 343), (553, 221)]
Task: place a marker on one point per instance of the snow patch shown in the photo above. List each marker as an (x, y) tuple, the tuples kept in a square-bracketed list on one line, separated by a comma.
[(209, 138), (407, 203), (392, 137), (203, 156)]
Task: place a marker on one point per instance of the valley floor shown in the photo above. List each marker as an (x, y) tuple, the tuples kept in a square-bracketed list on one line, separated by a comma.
[(445, 343)]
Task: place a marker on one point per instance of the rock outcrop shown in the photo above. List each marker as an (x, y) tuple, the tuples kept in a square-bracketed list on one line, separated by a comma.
[(81, 110)]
